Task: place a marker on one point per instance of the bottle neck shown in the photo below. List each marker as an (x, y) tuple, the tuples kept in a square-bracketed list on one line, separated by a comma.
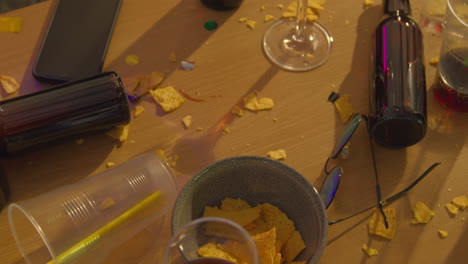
[(397, 7)]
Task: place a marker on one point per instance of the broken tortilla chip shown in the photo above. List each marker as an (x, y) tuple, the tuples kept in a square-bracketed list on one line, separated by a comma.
[(376, 224)]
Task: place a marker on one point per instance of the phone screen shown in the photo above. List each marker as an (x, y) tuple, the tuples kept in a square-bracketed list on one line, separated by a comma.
[(75, 44)]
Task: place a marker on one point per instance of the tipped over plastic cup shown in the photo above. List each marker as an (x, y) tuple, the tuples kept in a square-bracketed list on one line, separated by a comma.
[(84, 222)]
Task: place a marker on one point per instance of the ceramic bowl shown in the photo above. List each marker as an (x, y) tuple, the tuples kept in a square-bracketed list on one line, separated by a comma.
[(257, 180)]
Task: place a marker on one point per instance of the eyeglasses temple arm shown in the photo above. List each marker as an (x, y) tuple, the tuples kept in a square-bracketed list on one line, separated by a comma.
[(377, 187), (393, 197)]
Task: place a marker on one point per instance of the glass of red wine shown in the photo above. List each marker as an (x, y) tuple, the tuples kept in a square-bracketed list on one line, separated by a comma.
[(198, 241)]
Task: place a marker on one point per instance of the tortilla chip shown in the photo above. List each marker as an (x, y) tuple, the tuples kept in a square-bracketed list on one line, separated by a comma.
[(422, 214), (212, 250), (460, 201), (293, 246), (266, 247), (230, 204), (168, 98), (241, 217), (377, 226), (274, 217)]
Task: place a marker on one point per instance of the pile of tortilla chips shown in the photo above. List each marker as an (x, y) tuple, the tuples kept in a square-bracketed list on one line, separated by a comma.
[(274, 234)]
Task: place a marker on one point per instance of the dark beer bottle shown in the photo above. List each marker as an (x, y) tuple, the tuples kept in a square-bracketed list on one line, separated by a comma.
[(398, 84)]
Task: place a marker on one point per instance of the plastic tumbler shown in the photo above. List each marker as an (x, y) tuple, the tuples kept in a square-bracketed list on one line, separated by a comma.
[(84, 222), (451, 86)]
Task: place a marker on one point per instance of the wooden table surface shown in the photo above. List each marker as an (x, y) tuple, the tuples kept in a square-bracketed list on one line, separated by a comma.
[(229, 65)]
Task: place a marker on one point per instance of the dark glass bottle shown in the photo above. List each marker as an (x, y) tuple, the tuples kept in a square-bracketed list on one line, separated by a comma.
[(398, 84), (222, 4), (67, 110)]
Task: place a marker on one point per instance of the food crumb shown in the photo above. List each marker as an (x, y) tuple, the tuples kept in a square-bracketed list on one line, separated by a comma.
[(132, 60), (110, 164), (422, 213), (251, 102), (279, 154), (368, 3), (344, 108), (138, 111), (237, 111), (369, 251), (172, 57), (434, 61), (251, 24), (226, 129), (168, 98), (280, 6), (442, 234), (460, 201), (10, 85), (451, 209), (268, 18), (243, 19), (187, 121), (119, 132), (262, 8), (79, 141), (199, 129), (309, 55), (11, 24)]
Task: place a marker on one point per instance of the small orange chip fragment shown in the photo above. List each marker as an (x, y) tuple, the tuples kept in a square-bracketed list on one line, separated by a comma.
[(376, 224), (422, 213)]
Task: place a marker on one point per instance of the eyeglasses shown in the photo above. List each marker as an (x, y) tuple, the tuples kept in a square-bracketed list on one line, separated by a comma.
[(333, 176)]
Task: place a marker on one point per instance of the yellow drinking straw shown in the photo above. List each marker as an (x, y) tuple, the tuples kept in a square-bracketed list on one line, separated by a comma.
[(84, 244)]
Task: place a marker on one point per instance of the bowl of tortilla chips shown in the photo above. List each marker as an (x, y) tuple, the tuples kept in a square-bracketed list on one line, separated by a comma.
[(273, 202)]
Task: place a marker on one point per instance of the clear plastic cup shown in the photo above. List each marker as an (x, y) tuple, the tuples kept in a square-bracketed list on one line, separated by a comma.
[(451, 85), (84, 222)]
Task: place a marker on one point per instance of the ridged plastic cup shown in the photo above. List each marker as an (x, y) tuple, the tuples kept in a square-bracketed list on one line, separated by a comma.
[(84, 222)]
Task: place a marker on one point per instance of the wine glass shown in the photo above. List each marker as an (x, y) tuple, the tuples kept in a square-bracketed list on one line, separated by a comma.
[(297, 45), (210, 234)]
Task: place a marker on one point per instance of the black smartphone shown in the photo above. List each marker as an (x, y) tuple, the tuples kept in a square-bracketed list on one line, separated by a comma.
[(76, 41)]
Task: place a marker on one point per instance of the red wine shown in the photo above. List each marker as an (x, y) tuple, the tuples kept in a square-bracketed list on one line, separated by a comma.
[(222, 4), (210, 261), (452, 91), (397, 115)]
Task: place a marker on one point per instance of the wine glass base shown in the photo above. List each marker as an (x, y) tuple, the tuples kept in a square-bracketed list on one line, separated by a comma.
[(283, 48)]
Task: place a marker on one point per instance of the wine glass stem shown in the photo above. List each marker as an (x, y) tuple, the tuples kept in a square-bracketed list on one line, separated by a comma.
[(301, 20)]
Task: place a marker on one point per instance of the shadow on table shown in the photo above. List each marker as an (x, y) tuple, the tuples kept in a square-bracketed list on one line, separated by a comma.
[(180, 31), (443, 142)]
